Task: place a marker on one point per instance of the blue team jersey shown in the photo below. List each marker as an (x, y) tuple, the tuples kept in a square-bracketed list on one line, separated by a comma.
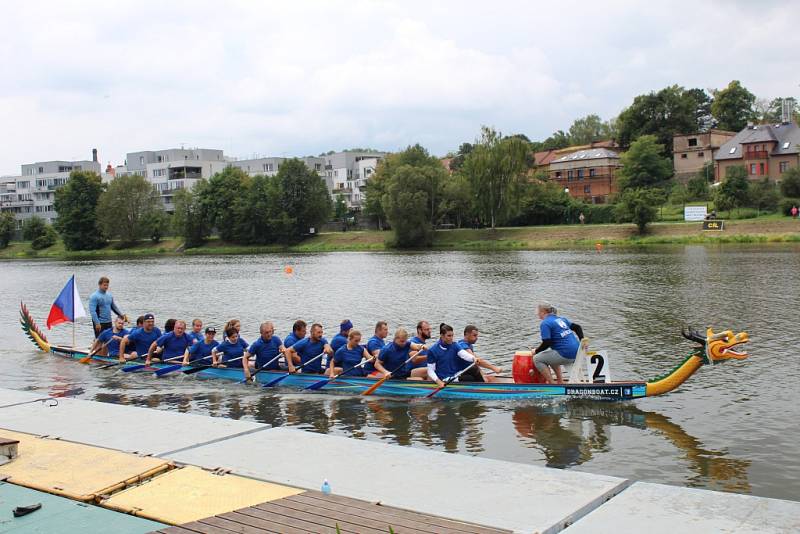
[(444, 357), (347, 358), (424, 352), (307, 350), (231, 351), (201, 351), (142, 339), (106, 336), (338, 341), (174, 345), (290, 340), (461, 363), (562, 338), (265, 351), (394, 356), (374, 343), (197, 337)]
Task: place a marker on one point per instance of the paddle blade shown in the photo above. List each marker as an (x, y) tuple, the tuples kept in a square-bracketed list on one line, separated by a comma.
[(197, 369), (106, 366), (376, 385), (275, 381), (168, 369), (320, 384), (132, 368), (87, 359)]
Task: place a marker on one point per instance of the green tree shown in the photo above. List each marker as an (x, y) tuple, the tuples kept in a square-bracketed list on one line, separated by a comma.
[(191, 220), (456, 204), (670, 111), (733, 106), (33, 228), (220, 196), (260, 218), (734, 190), (679, 195), (558, 140), (339, 208), (790, 183), (644, 165), (764, 195), (47, 238), (496, 170), (76, 206), (697, 188), (461, 155), (8, 227), (304, 197), (406, 204), (376, 188), (125, 205), (155, 224), (588, 129), (639, 206)]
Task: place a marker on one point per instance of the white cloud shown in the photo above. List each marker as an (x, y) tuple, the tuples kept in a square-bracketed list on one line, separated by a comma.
[(309, 76)]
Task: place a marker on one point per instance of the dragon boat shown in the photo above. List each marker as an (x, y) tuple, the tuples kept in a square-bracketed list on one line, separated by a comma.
[(711, 348)]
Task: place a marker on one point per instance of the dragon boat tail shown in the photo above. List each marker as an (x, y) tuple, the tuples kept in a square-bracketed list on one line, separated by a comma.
[(712, 348)]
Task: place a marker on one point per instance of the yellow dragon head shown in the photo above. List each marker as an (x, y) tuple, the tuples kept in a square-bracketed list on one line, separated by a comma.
[(720, 346)]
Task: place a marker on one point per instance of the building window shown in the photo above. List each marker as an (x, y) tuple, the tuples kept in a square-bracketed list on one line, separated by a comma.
[(317, 166), (587, 188), (692, 141), (701, 154), (761, 169), (41, 170), (268, 167), (141, 160), (569, 176), (753, 169), (592, 173), (783, 166), (684, 156), (159, 159), (580, 174), (558, 174)]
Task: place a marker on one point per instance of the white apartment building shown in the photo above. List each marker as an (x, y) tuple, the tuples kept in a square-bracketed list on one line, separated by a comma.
[(33, 193), (347, 173), (173, 169), (270, 166)]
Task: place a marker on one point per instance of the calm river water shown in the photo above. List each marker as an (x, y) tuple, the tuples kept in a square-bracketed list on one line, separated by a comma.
[(733, 427)]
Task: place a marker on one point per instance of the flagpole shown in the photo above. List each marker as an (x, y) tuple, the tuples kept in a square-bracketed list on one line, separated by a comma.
[(73, 312)]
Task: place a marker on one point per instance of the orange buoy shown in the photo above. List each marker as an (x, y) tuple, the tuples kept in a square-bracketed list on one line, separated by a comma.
[(288, 270), (598, 247)]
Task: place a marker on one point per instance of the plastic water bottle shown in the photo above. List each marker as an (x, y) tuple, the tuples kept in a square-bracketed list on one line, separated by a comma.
[(326, 488), (324, 363)]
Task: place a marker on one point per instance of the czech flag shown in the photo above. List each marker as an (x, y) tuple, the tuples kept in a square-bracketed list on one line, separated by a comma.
[(67, 307)]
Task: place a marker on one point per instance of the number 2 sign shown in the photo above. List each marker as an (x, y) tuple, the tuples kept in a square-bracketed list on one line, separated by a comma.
[(599, 368)]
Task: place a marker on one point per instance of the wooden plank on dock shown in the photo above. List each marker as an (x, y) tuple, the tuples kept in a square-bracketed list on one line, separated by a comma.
[(315, 513)]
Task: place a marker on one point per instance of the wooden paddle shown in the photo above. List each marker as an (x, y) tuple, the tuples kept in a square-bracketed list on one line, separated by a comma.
[(254, 373), (377, 384), (88, 357), (322, 383), (451, 379), (280, 378)]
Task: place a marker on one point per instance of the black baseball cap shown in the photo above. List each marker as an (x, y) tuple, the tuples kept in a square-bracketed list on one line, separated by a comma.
[(211, 330), (148, 316)]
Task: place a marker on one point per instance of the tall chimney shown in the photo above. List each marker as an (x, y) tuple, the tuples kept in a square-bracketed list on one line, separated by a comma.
[(94, 155)]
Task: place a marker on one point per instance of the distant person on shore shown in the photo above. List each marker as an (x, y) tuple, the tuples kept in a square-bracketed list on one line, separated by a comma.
[(794, 212), (101, 304), (581, 218), (711, 216), (560, 343)]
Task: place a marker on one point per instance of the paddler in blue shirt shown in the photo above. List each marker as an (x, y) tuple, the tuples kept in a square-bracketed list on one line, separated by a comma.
[(560, 342), (107, 343), (230, 352), (446, 358), (265, 349), (340, 339), (308, 349), (202, 350), (172, 345), (101, 304), (349, 355), (141, 338), (394, 357), (420, 360), (298, 332), (197, 331), (374, 346), (473, 374)]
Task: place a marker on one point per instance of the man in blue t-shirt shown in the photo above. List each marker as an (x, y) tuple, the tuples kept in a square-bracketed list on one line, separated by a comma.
[(420, 361), (309, 348), (560, 343), (172, 345), (466, 345), (141, 338), (298, 333), (340, 339), (266, 350), (202, 350), (375, 344), (107, 343)]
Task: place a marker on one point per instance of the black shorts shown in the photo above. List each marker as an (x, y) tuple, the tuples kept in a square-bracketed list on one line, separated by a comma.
[(473, 374), (103, 326)]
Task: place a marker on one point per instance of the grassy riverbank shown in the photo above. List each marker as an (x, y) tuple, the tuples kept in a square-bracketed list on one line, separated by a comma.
[(769, 229)]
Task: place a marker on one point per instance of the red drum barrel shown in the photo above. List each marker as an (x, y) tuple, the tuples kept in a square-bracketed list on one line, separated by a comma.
[(521, 369)]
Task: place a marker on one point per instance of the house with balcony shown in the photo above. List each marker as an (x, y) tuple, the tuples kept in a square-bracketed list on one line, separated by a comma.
[(765, 151), (347, 173), (588, 175), (691, 152), (269, 166)]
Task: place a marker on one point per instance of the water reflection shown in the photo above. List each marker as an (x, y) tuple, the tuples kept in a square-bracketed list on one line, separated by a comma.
[(570, 434)]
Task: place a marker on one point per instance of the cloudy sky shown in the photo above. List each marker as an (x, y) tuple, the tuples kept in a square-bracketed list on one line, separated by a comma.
[(304, 77)]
